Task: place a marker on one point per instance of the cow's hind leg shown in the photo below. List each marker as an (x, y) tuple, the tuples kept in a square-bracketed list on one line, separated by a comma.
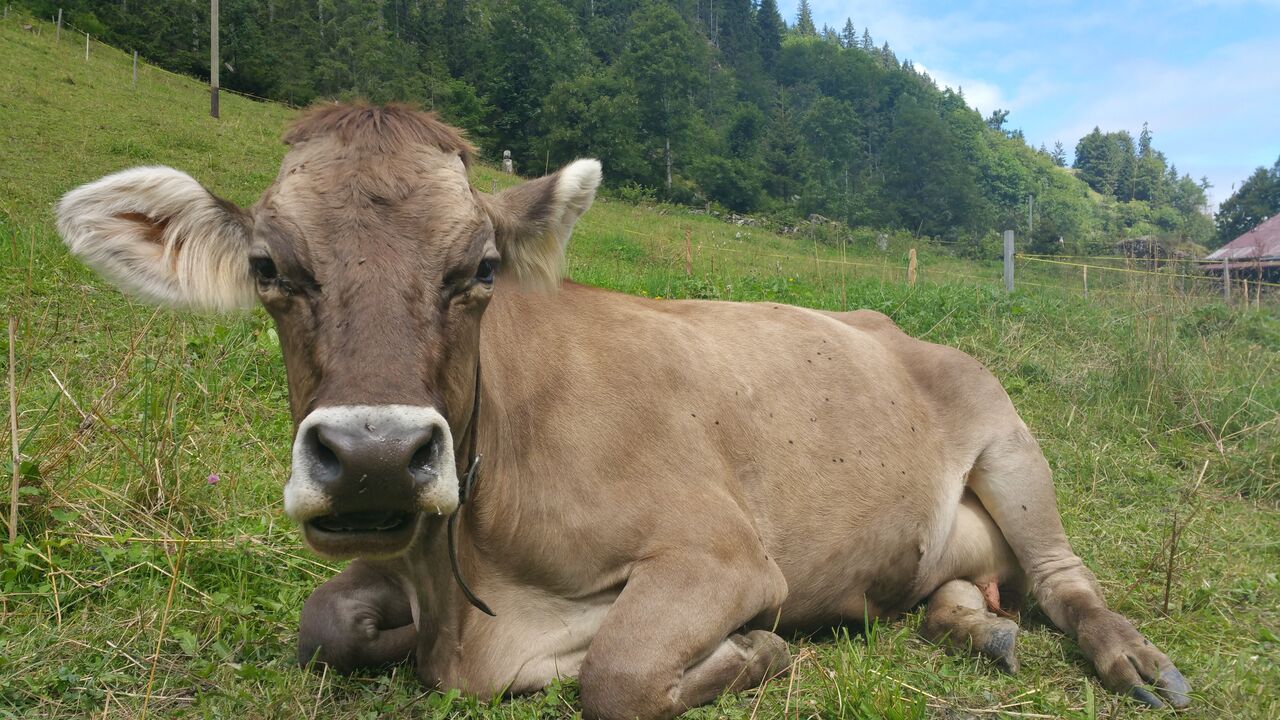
[(358, 619), (1012, 480), (958, 615), (977, 563)]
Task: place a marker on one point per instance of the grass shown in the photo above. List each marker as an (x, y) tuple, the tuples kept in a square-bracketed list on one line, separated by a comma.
[(156, 576)]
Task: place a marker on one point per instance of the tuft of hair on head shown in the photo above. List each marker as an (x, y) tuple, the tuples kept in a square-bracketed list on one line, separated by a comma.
[(378, 128), (159, 235)]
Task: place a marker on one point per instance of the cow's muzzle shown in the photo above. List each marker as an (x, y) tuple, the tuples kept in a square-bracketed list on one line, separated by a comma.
[(363, 475)]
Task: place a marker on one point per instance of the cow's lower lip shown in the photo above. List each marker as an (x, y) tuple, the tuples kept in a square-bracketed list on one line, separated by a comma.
[(360, 533)]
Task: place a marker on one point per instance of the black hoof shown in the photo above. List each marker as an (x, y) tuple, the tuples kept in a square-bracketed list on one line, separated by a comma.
[(1000, 648), (1175, 688), (1145, 696)]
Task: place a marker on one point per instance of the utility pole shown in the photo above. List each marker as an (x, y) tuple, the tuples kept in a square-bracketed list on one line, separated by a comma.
[(213, 58)]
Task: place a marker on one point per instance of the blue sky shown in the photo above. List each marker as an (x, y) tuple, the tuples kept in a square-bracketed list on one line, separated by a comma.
[(1204, 73)]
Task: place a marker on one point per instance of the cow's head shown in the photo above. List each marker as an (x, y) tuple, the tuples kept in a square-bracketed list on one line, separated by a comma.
[(376, 258)]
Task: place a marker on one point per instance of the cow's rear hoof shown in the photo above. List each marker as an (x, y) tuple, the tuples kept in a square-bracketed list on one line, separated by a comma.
[(1001, 647)]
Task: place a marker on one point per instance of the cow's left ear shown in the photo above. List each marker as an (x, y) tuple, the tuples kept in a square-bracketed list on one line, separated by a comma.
[(157, 234), (533, 221)]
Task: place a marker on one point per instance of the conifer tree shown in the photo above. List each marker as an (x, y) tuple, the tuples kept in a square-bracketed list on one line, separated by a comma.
[(804, 21), (1059, 154), (848, 36), (868, 44), (769, 27)]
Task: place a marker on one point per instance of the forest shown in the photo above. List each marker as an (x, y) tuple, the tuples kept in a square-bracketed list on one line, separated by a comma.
[(697, 102)]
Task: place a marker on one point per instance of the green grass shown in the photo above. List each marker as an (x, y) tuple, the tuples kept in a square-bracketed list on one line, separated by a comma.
[(1150, 405)]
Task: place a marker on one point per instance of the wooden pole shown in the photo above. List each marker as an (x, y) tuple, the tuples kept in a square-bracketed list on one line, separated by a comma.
[(213, 58), (1226, 279), (911, 267), (688, 254), (1086, 282), (844, 267), (86, 47), (13, 434), (135, 68), (1008, 261), (57, 35)]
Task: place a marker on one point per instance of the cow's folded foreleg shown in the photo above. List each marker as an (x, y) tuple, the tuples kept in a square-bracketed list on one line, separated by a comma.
[(673, 638), (359, 619)]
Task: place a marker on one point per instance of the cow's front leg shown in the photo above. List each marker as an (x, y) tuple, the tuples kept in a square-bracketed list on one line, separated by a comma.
[(359, 619), (673, 638)]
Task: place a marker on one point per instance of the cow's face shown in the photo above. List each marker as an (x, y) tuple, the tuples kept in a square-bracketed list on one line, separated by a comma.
[(376, 259)]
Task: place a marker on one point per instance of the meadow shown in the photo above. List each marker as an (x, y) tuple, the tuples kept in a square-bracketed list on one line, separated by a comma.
[(155, 575)]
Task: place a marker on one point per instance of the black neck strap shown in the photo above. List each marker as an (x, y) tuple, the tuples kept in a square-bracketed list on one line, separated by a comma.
[(466, 486)]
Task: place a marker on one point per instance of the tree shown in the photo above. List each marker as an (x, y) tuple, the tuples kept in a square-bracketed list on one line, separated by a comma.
[(664, 62), (1257, 200), (804, 21), (519, 71), (1059, 154), (997, 119), (868, 45), (848, 36), (769, 28)]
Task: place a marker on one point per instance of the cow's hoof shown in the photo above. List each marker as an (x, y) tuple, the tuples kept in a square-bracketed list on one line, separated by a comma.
[(1000, 646), (1130, 664)]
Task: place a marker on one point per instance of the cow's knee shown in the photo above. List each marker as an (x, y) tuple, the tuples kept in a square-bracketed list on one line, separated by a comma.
[(358, 619), (613, 688)]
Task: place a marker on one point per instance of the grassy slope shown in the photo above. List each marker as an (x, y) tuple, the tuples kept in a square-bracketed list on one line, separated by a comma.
[(1127, 394)]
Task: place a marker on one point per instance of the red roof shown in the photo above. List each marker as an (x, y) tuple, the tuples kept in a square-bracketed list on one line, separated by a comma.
[(1262, 242)]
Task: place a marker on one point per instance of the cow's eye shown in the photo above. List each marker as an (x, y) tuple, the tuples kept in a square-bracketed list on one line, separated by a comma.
[(264, 269), (484, 273)]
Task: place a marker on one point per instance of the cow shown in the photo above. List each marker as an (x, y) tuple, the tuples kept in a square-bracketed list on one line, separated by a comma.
[(535, 479)]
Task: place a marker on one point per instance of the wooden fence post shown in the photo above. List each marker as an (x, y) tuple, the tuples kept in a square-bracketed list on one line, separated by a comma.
[(135, 68), (213, 58), (1226, 280), (57, 35), (1008, 261), (86, 47), (1086, 282), (688, 254), (911, 267)]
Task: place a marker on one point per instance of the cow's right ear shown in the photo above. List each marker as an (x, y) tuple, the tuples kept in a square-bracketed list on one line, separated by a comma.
[(157, 234)]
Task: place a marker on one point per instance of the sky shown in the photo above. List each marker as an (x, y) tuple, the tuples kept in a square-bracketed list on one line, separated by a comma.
[(1205, 74)]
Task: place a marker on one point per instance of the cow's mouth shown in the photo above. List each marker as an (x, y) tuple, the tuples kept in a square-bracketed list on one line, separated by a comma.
[(361, 533)]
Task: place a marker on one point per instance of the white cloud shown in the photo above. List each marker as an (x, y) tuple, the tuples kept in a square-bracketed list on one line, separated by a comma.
[(982, 96), (1215, 115)]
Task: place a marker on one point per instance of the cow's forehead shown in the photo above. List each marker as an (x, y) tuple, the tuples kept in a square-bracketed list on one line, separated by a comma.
[(328, 189)]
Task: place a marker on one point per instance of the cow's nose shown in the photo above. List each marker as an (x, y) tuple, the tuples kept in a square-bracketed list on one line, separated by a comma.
[(353, 460), (360, 461)]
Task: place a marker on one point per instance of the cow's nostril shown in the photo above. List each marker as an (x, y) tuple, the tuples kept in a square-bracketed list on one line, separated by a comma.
[(423, 464), (327, 466)]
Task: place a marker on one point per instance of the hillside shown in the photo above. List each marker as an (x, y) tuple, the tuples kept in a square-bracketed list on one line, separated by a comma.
[(692, 103), (155, 574)]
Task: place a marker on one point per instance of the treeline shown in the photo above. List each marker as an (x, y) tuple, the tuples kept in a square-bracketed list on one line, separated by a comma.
[(689, 101), (1256, 201)]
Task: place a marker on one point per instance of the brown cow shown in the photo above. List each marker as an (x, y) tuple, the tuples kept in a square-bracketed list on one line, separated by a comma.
[(663, 484)]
